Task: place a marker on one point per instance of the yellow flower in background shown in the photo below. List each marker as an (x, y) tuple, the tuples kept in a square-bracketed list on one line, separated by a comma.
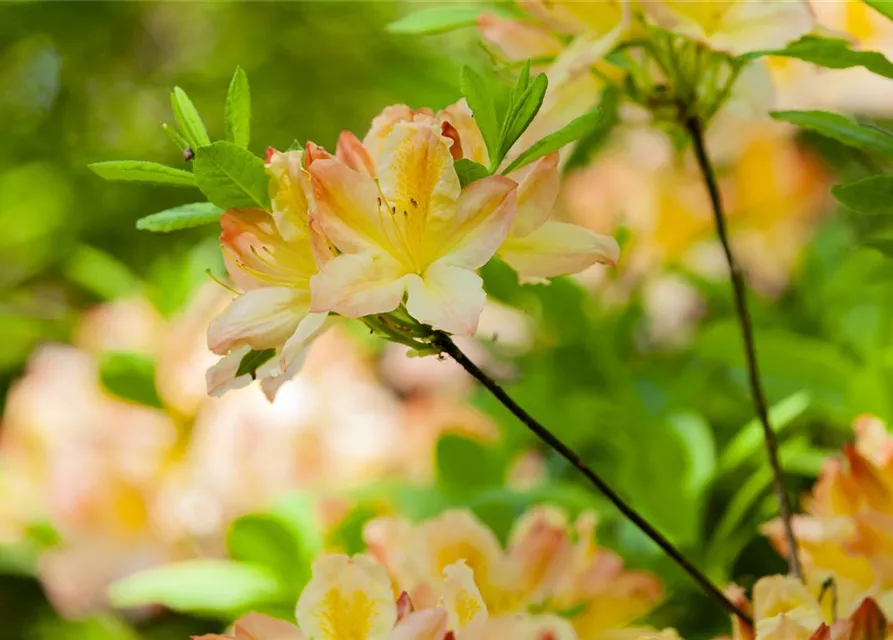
[(846, 532), (736, 26), (410, 231), (547, 566), (272, 258)]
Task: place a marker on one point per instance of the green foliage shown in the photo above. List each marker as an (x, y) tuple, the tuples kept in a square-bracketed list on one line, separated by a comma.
[(188, 119), (252, 360), (884, 7), (873, 195), (231, 177), (832, 53), (186, 216), (524, 103), (238, 110), (469, 171), (590, 142), (209, 587), (571, 132), (480, 97), (266, 540), (130, 376), (141, 171), (101, 274), (467, 466), (842, 129), (436, 20)]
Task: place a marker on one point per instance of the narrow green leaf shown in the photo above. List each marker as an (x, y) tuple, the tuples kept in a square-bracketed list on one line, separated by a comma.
[(216, 587), (832, 53), (179, 141), (252, 360), (884, 7), (101, 273), (185, 216), (592, 141), (469, 171), (188, 119), (480, 100), (141, 171), (523, 79), (840, 128), (265, 540), (525, 111), (231, 177), (238, 109), (436, 20), (574, 130), (873, 194), (130, 376)]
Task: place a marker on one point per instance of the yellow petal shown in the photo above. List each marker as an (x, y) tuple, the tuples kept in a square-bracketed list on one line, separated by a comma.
[(558, 248), (461, 596), (447, 298), (289, 191), (784, 608), (537, 191), (470, 136), (260, 318), (347, 598), (358, 284), (383, 124)]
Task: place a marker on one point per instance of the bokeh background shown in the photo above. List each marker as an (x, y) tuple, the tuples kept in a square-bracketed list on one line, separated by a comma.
[(112, 459)]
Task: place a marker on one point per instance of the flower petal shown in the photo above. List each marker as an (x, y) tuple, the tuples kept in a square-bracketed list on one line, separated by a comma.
[(352, 153), (221, 377), (537, 193), (357, 285), (448, 298), (347, 598), (289, 191), (470, 136), (293, 354), (518, 39), (383, 124), (427, 624), (558, 248), (481, 220), (255, 626), (461, 596), (260, 318)]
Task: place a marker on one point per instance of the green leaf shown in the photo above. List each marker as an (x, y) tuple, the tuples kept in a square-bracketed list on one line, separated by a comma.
[(185, 216), (179, 141), (553, 142), (466, 465), (217, 587), (101, 274), (436, 20), (265, 540), (525, 111), (130, 376), (231, 177), (238, 110), (469, 171), (748, 442), (592, 141), (832, 53), (480, 98), (189, 121), (873, 194), (141, 171), (884, 7), (840, 128), (253, 360)]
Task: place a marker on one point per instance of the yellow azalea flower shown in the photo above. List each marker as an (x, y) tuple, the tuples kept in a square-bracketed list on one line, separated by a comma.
[(846, 533), (545, 567), (272, 258), (410, 231), (536, 246), (736, 26)]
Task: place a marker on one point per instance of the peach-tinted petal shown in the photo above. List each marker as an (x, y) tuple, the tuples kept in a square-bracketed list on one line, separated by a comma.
[(541, 549), (221, 377), (289, 190), (292, 355), (518, 39), (520, 627), (461, 596), (348, 207), (260, 318), (427, 624), (383, 124), (470, 136), (866, 623), (481, 220), (447, 297), (347, 598), (558, 248), (357, 285), (537, 191), (352, 153), (553, 13), (255, 626)]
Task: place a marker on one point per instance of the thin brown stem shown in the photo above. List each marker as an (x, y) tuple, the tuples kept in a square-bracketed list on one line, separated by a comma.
[(447, 346), (693, 125)]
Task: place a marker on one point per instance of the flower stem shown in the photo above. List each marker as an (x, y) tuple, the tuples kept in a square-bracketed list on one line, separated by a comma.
[(695, 131), (447, 346)]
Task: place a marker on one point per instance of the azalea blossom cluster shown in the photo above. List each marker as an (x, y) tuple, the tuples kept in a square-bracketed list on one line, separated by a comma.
[(384, 226), (846, 535), (449, 577)]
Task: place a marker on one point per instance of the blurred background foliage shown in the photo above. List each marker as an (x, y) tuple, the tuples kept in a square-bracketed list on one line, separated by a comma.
[(671, 425)]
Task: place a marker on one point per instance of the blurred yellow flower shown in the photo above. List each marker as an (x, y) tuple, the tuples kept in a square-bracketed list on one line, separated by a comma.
[(547, 566)]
